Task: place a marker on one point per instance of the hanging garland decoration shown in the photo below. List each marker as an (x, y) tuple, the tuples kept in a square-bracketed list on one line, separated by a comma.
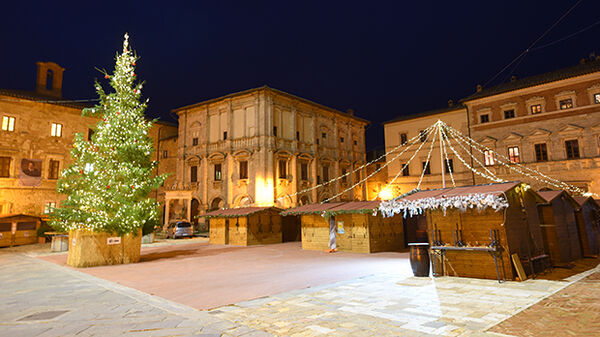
[(480, 201)]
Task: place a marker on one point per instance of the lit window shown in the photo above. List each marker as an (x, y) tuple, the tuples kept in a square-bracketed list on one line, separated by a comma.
[(509, 114), (304, 171), (597, 98), (53, 169), (194, 174), (484, 118), (449, 166), (565, 104), (536, 109), (49, 207), (403, 138), (541, 152), (5, 167), (56, 130), (405, 171), (194, 141), (572, 148), (243, 169), (513, 154), (8, 123), (218, 172), (426, 168), (488, 157)]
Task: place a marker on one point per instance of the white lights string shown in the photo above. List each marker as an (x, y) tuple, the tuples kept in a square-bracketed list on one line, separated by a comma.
[(517, 167), (450, 169), (428, 155), (492, 177), (426, 131), (409, 160), (490, 173), (409, 143)]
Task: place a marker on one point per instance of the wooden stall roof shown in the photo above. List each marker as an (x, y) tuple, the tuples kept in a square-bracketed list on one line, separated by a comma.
[(236, 212), (355, 207), (549, 196), (495, 189), (8, 216), (582, 200), (310, 209)]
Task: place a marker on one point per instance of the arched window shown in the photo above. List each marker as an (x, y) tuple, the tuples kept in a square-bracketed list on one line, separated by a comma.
[(49, 79)]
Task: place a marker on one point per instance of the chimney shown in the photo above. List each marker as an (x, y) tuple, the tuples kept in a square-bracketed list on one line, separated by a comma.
[(49, 79), (450, 103), (513, 78), (350, 112), (479, 88)]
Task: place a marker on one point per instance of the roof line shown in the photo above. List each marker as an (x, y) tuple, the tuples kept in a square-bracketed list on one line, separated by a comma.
[(266, 87)]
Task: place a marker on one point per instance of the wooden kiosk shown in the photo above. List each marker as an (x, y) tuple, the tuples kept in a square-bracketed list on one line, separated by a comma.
[(18, 229), (588, 220), (357, 229), (559, 226), (245, 226), (470, 238)]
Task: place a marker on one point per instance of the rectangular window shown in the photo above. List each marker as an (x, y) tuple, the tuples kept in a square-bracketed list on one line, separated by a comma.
[(56, 130), (243, 169), (8, 123), (323, 135), (484, 118), (304, 171), (514, 155), (426, 167), (49, 207), (572, 147), (597, 98), (488, 157), (403, 138), (509, 114), (224, 135), (341, 139), (536, 109), (298, 135), (194, 174), (90, 134), (325, 173), (194, 141), (541, 152), (5, 167), (165, 154), (405, 171), (217, 172), (275, 131), (344, 176), (422, 136), (565, 104), (53, 169), (355, 143), (283, 169), (449, 166), (317, 141)]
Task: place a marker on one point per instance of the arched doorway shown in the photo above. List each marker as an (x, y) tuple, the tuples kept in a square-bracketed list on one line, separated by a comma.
[(195, 210), (304, 200), (216, 204)]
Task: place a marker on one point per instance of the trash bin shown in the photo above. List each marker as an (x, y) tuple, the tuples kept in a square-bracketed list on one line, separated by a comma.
[(419, 259)]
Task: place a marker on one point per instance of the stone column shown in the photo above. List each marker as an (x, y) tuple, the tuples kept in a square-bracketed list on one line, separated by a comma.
[(295, 179)]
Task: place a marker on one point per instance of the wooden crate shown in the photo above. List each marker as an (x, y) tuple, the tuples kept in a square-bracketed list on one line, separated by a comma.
[(89, 249)]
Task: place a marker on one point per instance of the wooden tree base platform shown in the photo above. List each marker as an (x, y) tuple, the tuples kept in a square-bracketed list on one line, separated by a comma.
[(89, 249)]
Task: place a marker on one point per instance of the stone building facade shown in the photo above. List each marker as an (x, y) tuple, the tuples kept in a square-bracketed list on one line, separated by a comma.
[(263, 147), (36, 133), (548, 122), (403, 129)]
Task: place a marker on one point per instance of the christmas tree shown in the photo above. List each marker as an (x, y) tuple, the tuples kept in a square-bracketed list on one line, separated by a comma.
[(109, 183)]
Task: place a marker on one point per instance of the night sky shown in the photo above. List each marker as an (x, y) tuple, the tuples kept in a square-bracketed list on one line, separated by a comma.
[(382, 59)]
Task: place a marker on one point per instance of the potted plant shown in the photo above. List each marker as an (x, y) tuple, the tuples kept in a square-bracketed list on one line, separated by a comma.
[(108, 184)]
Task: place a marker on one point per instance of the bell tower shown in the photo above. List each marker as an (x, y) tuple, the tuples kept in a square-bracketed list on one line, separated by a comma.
[(49, 79)]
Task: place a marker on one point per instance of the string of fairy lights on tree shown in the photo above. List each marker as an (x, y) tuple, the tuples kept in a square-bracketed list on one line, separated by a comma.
[(111, 177)]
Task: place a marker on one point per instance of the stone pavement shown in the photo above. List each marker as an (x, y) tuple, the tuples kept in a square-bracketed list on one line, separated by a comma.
[(39, 298)]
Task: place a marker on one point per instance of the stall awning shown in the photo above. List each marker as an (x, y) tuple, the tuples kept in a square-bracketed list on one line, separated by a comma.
[(237, 212)]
